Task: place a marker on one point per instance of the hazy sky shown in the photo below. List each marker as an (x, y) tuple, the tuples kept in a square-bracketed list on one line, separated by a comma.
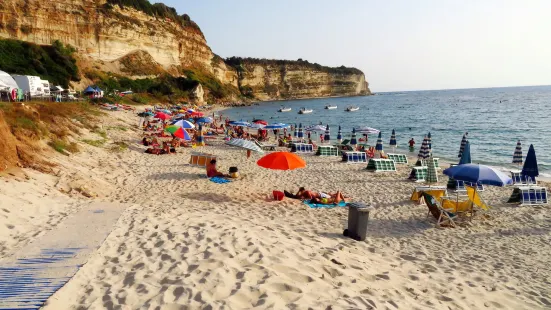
[(399, 45)]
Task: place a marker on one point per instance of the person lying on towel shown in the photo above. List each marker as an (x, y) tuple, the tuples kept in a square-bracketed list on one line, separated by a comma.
[(212, 172), (304, 194), (329, 201)]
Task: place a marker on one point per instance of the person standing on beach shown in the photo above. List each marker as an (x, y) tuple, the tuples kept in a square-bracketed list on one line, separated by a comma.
[(411, 145)]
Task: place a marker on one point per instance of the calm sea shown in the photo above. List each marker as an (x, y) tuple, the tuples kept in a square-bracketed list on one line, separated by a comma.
[(494, 117)]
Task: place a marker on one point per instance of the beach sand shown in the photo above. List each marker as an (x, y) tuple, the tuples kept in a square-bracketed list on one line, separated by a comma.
[(188, 243)]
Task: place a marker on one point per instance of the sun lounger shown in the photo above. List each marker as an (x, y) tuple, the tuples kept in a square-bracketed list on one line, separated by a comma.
[(264, 146), (354, 157), (302, 148), (443, 217), (327, 150), (398, 158), (460, 186), (418, 174), (519, 179), (529, 195), (423, 162), (381, 165)]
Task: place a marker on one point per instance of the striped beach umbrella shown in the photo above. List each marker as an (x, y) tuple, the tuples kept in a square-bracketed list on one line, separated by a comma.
[(393, 139), (178, 131), (424, 152), (429, 136), (431, 177), (517, 155), (339, 135), (463, 142), (276, 126), (199, 136), (245, 144), (379, 145), (300, 132), (184, 124), (353, 140), (327, 136)]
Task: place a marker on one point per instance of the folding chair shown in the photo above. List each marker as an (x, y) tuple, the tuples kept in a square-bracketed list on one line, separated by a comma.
[(443, 217)]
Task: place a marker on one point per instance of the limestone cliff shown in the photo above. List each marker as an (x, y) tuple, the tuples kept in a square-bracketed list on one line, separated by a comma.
[(121, 37)]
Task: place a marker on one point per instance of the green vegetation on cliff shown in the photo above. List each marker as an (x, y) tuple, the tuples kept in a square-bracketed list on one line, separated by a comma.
[(239, 62), (54, 63)]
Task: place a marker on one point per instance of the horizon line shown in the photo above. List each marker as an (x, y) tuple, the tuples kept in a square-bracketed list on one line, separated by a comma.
[(465, 88)]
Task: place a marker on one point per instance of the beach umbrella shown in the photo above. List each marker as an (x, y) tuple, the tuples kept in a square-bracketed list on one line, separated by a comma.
[(240, 124), (353, 140), (530, 168), (179, 132), (339, 135), (300, 132), (257, 126), (281, 161), (276, 126), (429, 136), (327, 135), (367, 130), (517, 155), (315, 128), (205, 120), (184, 124), (424, 152), (295, 134), (466, 156), (260, 121), (379, 145), (481, 174), (161, 115), (197, 114), (431, 177), (463, 142), (199, 135), (393, 138), (245, 144)]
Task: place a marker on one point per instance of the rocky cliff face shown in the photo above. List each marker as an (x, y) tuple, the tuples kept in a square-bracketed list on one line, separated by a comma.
[(132, 43)]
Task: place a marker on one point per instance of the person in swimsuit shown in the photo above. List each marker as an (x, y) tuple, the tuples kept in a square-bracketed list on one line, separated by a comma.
[(211, 170), (338, 197)]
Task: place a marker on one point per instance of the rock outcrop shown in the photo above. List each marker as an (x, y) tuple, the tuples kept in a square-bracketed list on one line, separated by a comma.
[(132, 43)]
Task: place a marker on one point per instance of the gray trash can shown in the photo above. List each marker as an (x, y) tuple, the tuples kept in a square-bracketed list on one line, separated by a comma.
[(358, 216)]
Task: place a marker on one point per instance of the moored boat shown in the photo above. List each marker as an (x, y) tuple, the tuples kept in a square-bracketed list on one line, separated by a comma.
[(330, 107), (305, 111), (284, 109), (352, 109)]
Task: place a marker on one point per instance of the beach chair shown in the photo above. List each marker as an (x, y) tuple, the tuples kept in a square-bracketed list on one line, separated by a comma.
[(354, 157), (519, 179), (475, 198), (398, 158), (418, 174), (529, 195), (444, 218), (327, 150), (423, 162), (302, 148), (461, 186), (435, 191), (265, 146), (381, 165)]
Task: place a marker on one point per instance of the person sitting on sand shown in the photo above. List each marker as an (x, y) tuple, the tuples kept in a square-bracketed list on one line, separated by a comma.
[(155, 142), (212, 172), (154, 151), (145, 141)]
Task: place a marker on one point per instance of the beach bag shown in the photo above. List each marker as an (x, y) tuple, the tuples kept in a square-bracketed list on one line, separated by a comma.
[(278, 195), (233, 169)]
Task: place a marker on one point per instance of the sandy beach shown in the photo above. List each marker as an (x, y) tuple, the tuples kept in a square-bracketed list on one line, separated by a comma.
[(184, 242)]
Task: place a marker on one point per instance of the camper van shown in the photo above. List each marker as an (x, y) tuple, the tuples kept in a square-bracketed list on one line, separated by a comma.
[(30, 84)]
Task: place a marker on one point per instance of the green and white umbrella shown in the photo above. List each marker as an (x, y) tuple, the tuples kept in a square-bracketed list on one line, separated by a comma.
[(431, 177)]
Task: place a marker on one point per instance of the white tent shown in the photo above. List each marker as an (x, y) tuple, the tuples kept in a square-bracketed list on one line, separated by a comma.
[(6, 81)]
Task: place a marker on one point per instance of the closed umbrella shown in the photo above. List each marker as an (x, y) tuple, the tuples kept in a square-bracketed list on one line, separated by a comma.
[(300, 132), (517, 155), (295, 134), (379, 145), (393, 139), (353, 140), (530, 168), (431, 177), (281, 161), (424, 152), (463, 142), (429, 136), (481, 174), (339, 135), (466, 156), (327, 135)]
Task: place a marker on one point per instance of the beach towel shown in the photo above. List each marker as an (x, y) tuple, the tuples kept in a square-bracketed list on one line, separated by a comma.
[(322, 206), (219, 180)]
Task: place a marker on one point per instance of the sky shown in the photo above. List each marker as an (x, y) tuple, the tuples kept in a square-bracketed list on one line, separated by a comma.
[(400, 45)]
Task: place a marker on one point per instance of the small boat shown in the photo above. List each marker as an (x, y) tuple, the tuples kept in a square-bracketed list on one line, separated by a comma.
[(330, 107), (305, 111), (352, 109), (284, 109)]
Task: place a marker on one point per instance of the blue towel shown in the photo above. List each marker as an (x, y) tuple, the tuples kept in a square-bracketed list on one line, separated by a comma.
[(322, 206), (219, 180)]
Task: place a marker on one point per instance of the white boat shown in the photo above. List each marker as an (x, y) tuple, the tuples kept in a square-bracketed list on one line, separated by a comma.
[(352, 109), (284, 109), (305, 111), (330, 107)]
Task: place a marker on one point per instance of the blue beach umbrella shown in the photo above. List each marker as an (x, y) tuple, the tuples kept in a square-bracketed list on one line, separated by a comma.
[(517, 155), (424, 152), (239, 124), (276, 126), (339, 134), (481, 174), (353, 140), (530, 168), (393, 139), (429, 136), (463, 142), (184, 124), (466, 156), (327, 136), (205, 120), (379, 145), (300, 132)]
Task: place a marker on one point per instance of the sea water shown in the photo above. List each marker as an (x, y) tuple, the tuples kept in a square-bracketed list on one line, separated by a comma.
[(495, 119)]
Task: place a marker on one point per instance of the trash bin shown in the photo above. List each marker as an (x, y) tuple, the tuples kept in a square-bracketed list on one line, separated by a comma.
[(358, 216)]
